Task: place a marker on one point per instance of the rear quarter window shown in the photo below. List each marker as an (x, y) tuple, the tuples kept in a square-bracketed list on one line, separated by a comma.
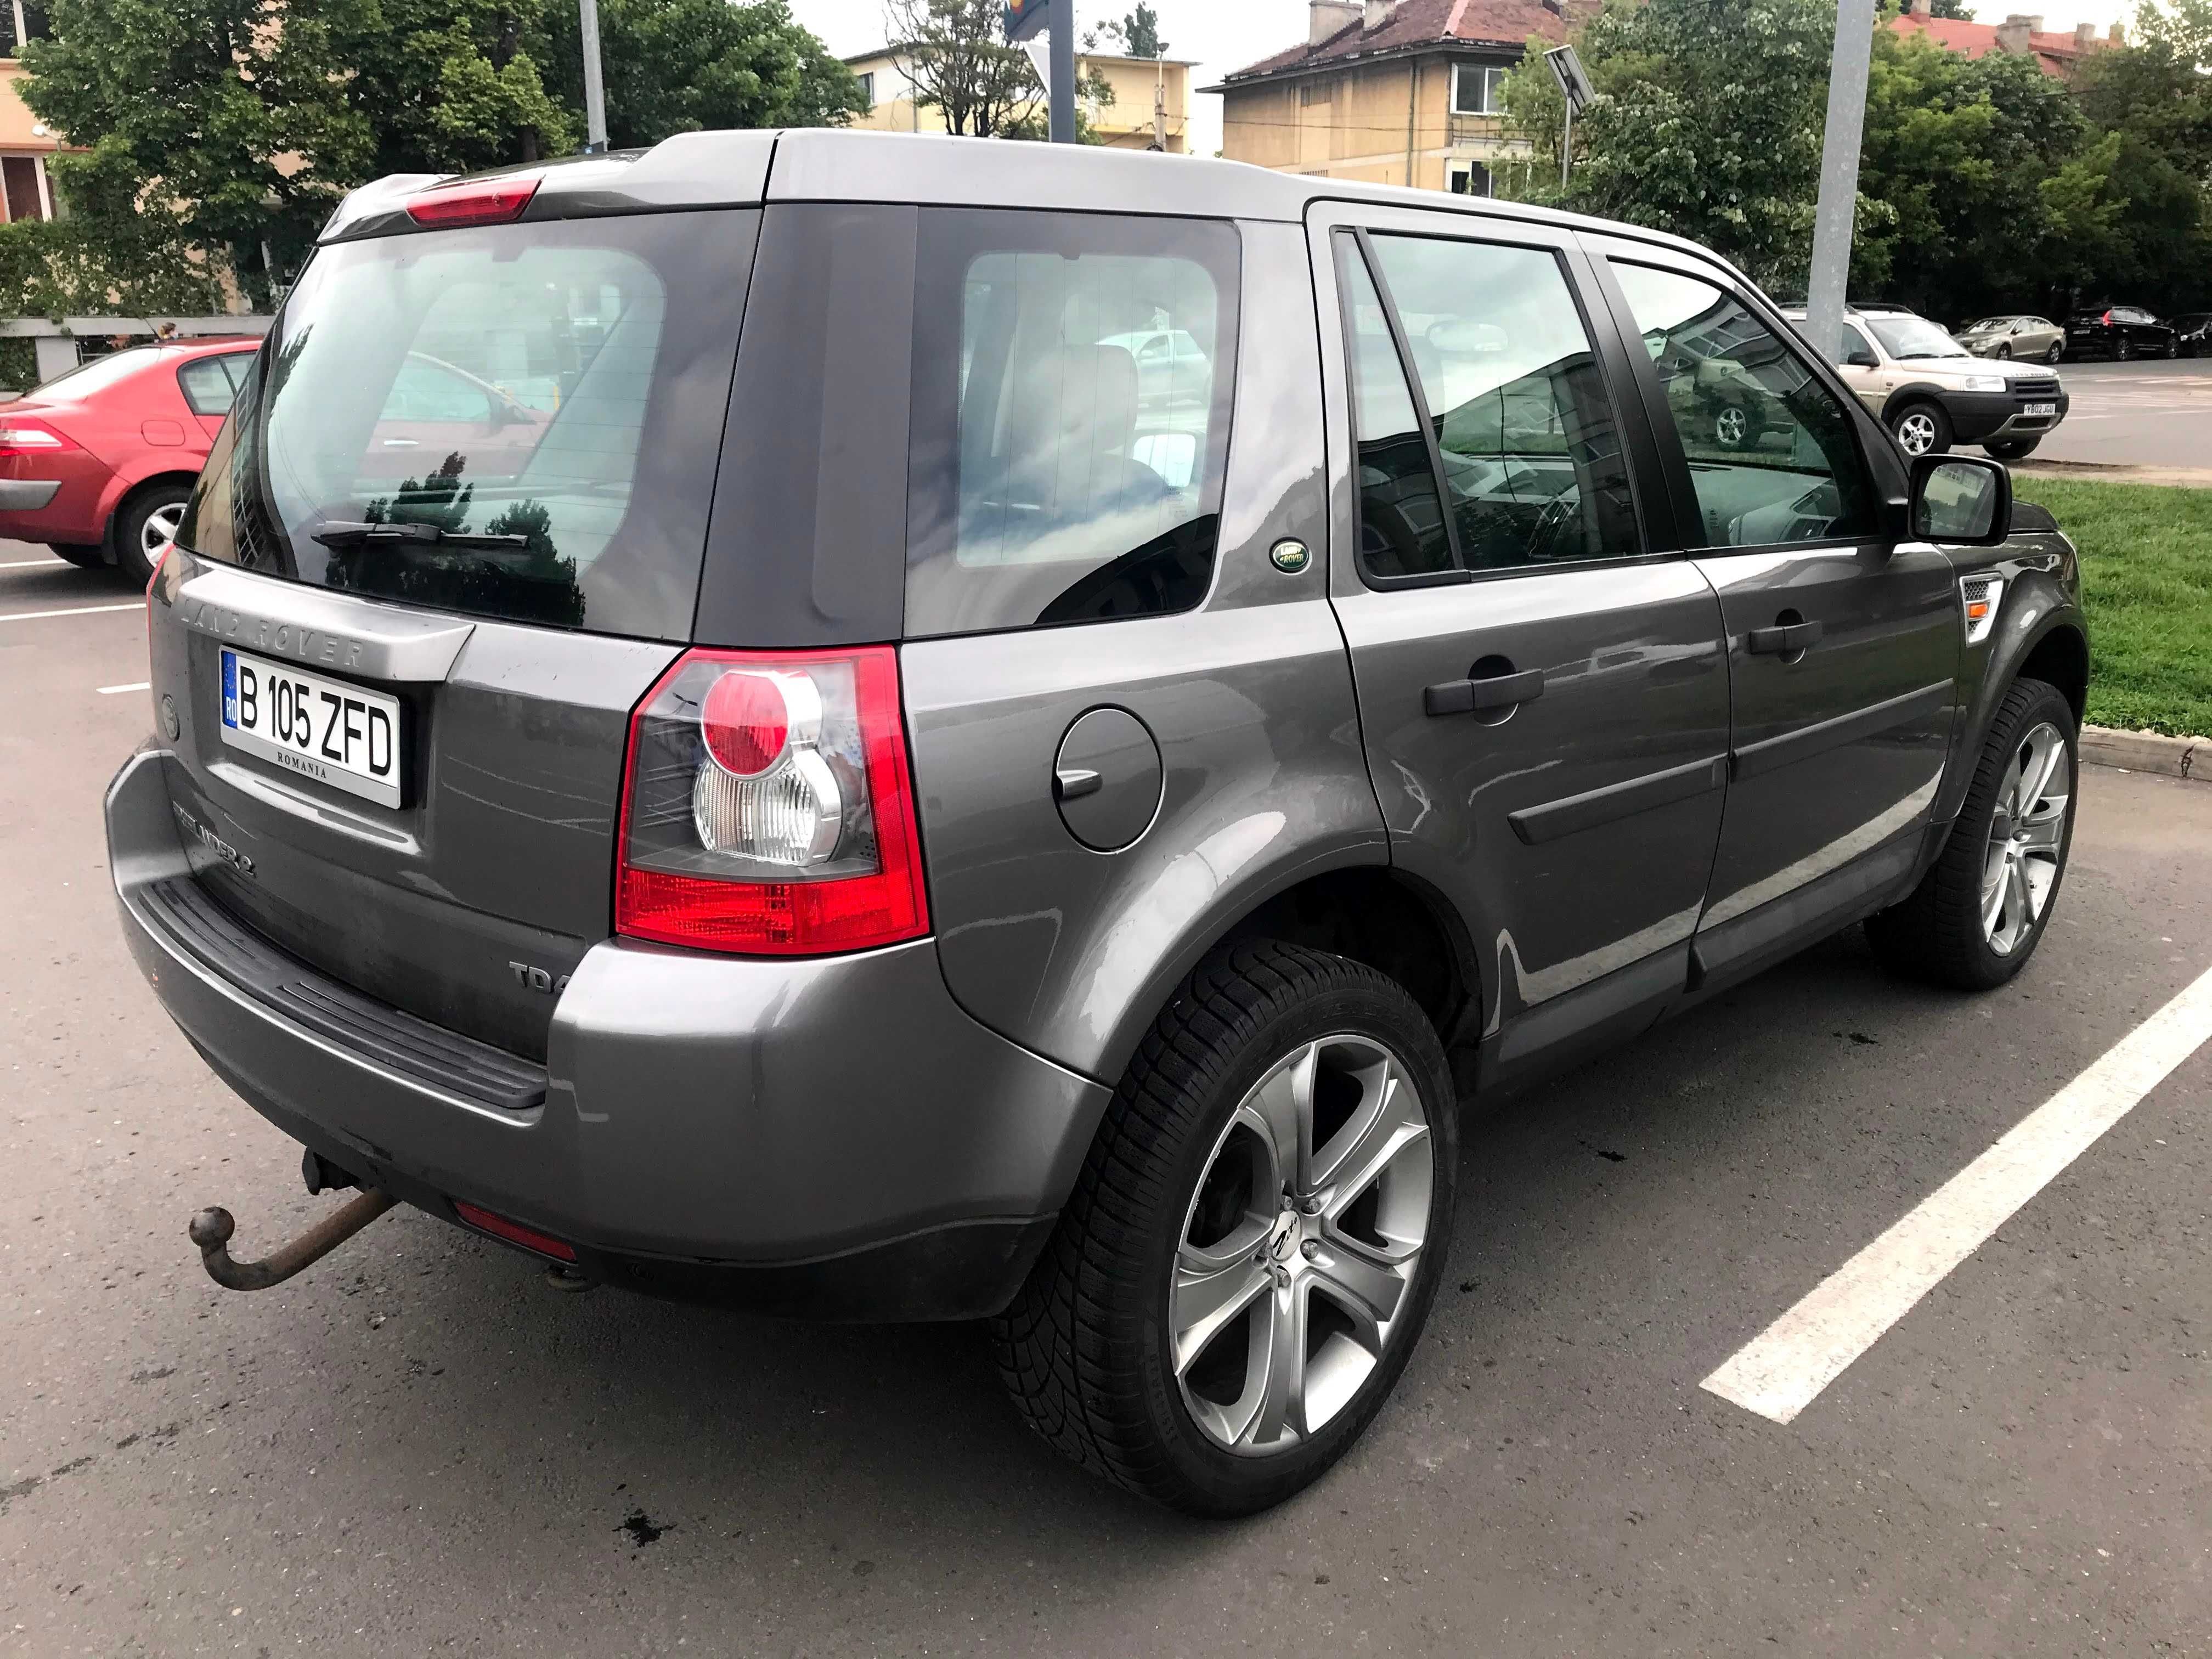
[(1073, 377)]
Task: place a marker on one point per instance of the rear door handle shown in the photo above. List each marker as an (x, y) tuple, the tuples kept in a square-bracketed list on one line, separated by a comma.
[(1499, 691), (1780, 640)]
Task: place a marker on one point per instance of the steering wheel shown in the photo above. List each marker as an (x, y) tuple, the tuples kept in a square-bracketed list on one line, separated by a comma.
[(1561, 508)]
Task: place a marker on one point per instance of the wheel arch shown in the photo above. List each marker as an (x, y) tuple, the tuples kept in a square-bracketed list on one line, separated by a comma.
[(1918, 391), (2052, 646), (1368, 911), (123, 487)]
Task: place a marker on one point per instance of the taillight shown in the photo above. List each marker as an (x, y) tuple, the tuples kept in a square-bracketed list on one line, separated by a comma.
[(2106, 319), (25, 436), (768, 807), (476, 201)]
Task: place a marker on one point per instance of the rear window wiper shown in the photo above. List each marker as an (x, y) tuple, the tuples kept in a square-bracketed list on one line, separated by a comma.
[(339, 532)]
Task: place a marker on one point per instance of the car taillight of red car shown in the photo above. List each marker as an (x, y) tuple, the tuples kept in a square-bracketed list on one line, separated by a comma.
[(767, 807), (24, 436)]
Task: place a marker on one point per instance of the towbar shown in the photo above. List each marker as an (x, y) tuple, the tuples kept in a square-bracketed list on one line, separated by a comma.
[(211, 1231)]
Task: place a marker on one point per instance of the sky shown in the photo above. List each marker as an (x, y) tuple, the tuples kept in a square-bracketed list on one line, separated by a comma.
[(1222, 35)]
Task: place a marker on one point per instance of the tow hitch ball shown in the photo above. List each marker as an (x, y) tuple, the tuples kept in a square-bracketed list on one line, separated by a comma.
[(211, 1231)]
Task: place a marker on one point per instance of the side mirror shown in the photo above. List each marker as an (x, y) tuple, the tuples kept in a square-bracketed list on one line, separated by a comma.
[(1960, 500), (1862, 359)]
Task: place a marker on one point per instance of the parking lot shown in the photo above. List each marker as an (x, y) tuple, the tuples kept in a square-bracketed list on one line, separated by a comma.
[(415, 1446), (2138, 414)]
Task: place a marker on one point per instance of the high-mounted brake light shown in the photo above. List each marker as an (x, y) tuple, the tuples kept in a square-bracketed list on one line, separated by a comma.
[(478, 202), (768, 807)]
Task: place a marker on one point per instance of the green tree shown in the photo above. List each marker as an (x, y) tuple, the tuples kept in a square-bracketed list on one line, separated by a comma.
[(956, 54), (1958, 9), (1138, 34), (693, 66), (1707, 122)]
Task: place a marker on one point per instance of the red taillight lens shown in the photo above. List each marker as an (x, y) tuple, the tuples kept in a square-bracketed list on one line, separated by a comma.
[(514, 1232), (25, 436), (2106, 319), (768, 807), (478, 202), (748, 719)]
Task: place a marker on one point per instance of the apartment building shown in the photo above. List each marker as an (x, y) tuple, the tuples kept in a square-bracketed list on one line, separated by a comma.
[(25, 143), (1151, 98), (1391, 91)]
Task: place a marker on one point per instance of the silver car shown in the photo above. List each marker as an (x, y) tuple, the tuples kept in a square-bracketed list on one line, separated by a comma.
[(2036, 338)]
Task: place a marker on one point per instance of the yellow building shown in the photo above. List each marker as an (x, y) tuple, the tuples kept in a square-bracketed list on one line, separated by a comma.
[(25, 143), (1390, 92), (1151, 98)]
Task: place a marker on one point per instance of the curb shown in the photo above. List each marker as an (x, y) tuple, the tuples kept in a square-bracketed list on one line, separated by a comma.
[(2148, 751)]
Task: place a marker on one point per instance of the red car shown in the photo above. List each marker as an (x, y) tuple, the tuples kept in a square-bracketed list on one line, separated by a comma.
[(97, 463)]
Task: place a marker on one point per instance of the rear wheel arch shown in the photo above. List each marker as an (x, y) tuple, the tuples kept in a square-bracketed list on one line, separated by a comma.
[(126, 506)]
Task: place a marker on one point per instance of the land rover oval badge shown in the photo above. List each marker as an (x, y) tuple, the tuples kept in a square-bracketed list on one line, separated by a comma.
[(1290, 555)]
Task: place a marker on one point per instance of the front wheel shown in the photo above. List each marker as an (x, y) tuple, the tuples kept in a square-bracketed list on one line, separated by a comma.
[(2011, 449), (145, 525), (1732, 427), (1922, 429), (2004, 354), (2173, 349), (2057, 354), (1246, 1262), (1980, 911)]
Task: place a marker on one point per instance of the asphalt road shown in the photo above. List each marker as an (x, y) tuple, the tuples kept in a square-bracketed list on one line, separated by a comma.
[(2135, 414), (416, 1448)]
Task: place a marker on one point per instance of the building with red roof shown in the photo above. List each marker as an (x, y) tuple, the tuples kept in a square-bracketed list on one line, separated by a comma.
[(2020, 34), (1392, 92)]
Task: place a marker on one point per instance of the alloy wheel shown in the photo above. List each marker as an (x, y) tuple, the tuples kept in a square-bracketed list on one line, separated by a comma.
[(2057, 351), (1916, 431), (1301, 1245), (2027, 839), (2004, 354), (160, 529), (1731, 427)]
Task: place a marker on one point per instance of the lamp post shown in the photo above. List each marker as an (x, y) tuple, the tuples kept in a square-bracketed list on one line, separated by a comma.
[(1838, 205), (595, 91)]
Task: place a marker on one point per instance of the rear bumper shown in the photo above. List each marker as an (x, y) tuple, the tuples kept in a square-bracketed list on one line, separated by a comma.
[(830, 1139), (63, 505)]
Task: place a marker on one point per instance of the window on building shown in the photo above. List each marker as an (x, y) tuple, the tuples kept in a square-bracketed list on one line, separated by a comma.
[(30, 23), (1477, 90), (867, 88), (1315, 92), (1468, 178), (22, 181)]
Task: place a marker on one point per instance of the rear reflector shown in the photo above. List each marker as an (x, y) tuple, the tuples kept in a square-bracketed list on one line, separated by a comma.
[(514, 1232), (479, 202)]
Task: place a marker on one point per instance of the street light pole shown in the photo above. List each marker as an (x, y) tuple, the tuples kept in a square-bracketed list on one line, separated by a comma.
[(595, 92), (1063, 72), (1840, 179)]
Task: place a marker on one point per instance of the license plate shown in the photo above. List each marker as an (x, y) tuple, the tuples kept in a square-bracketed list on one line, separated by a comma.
[(337, 734), (2039, 409)]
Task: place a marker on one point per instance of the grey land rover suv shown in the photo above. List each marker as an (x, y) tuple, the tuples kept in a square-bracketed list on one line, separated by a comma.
[(886, 728)]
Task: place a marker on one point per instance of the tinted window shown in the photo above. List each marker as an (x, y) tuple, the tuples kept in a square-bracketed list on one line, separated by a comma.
[(207, 389), (1401, 519), (1533, 468), (1856, 344), (1770, 450), (547, 398), (1072, 386)]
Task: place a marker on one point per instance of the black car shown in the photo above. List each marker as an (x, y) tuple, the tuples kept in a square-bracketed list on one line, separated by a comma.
[(2192, 333), (2119, 332)]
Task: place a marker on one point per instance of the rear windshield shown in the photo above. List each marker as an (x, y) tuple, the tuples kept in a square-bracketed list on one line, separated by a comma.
[(514, 421)]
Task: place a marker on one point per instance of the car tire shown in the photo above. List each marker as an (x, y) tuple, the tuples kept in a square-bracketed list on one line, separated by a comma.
[(1180, 1184), (1732, 426), (2012, 449), (2003, 354), (2057, 354), (85, 556), (1945, 932), (1922, 428), (2173, 349), (145, 518), (2123, 350)]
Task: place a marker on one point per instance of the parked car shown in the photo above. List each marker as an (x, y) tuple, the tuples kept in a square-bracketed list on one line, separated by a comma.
[(97, 462), (2192, 333), (1928, 390), (2119, 332), (2014, 336), (830, 829)]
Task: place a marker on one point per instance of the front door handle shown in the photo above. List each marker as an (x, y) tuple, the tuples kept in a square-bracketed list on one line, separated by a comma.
[(1781, 639), (1498, 691)]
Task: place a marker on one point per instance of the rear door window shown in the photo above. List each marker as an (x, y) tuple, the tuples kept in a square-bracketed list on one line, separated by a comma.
[(208, 390), (512, 421), (1073, 377)]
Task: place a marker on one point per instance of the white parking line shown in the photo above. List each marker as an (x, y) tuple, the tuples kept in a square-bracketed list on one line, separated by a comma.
[(79, 610), (136, 685), (38, 564), (1783, 1368)]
